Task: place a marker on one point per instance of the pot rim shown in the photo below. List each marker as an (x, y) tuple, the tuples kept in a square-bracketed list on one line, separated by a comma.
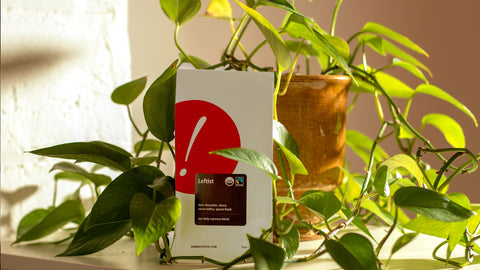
[(316, 77)]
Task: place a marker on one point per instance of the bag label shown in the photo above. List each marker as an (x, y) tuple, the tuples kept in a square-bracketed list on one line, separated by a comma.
[(221, 199)]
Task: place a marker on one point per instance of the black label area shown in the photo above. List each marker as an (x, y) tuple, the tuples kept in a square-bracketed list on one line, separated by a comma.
[(221, 199)]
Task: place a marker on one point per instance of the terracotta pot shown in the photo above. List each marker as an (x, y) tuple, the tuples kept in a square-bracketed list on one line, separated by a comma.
[(314, 112)]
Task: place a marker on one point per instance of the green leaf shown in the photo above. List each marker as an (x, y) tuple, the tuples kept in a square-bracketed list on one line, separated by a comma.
[(96, 238), (198, 62), (287, 200), (404, 161), (432, 90), (66, 212), (431, 204), (457, 229), (30, 220), (410, 68), (180, 11), (69, 176), (393, 86), (450, 129), (159, 104), (325, 204), (402, 241), (273, 38), (149, 145), (165, 185), (382, 30), (474, 222), (289, 148), (429, 226), (380, 183), (97, 179), (114, 202), (290, 241), (251, 157), (219, 9), (383, 46), (361, 144), (127, 93), (305, 48), (97, 152), (356, 221), (352, 252), (266, 255), (142, 161), (335, 47), (379, 211), (151, 221)]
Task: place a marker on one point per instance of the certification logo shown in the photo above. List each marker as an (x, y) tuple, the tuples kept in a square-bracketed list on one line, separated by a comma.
[(239, 181), (229, 181)]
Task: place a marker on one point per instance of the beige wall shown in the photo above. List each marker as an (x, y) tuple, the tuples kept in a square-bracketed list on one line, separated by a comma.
[(448, 32)]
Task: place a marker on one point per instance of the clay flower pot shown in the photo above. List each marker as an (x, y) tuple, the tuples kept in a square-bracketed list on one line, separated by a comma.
[(314, 112)]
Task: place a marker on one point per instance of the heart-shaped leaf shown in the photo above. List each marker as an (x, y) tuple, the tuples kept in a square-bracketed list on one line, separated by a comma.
[(361, 144), (434, 91), (273, 38), (30, 220), (322, 203), (97, 152), (96, 238), (151, 221), (353, 252), (219, 9), (431, 204), (451, 130), (114, 202), (290, 240), (404, 161), (159, 104), (266, 255), (382, 30), (289, 148), (66, 212), (251, 157), (97, 179), (180, 11), (165, 185), (381, 181), (127, 93)]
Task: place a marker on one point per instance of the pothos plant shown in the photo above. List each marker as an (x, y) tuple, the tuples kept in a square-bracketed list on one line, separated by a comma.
[(140, 202)]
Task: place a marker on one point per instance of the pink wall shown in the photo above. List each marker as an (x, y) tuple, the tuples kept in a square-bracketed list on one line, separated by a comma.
[(448, 32)]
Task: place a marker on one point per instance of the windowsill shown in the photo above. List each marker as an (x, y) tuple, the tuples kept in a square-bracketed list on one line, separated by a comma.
[(416, 255)]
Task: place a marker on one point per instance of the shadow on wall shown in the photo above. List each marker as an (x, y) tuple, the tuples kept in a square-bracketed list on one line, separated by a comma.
[(9, 200), (31, 64)]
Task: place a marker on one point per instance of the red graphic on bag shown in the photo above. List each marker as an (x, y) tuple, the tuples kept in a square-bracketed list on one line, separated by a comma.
[(201, 127)]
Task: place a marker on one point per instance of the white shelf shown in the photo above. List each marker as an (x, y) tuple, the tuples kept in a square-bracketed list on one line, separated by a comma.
[(121, 255)]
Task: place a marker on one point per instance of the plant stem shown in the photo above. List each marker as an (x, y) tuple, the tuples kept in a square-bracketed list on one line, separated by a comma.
[(171, 150), (177, 27), (55, 188), (240, 35), (131, 121), (275, 96), (334, 17), (290, 74), (254, 51), (159, 158), (390, 231), (275, 220), (233, 38), (144, 137), (166, 247)]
